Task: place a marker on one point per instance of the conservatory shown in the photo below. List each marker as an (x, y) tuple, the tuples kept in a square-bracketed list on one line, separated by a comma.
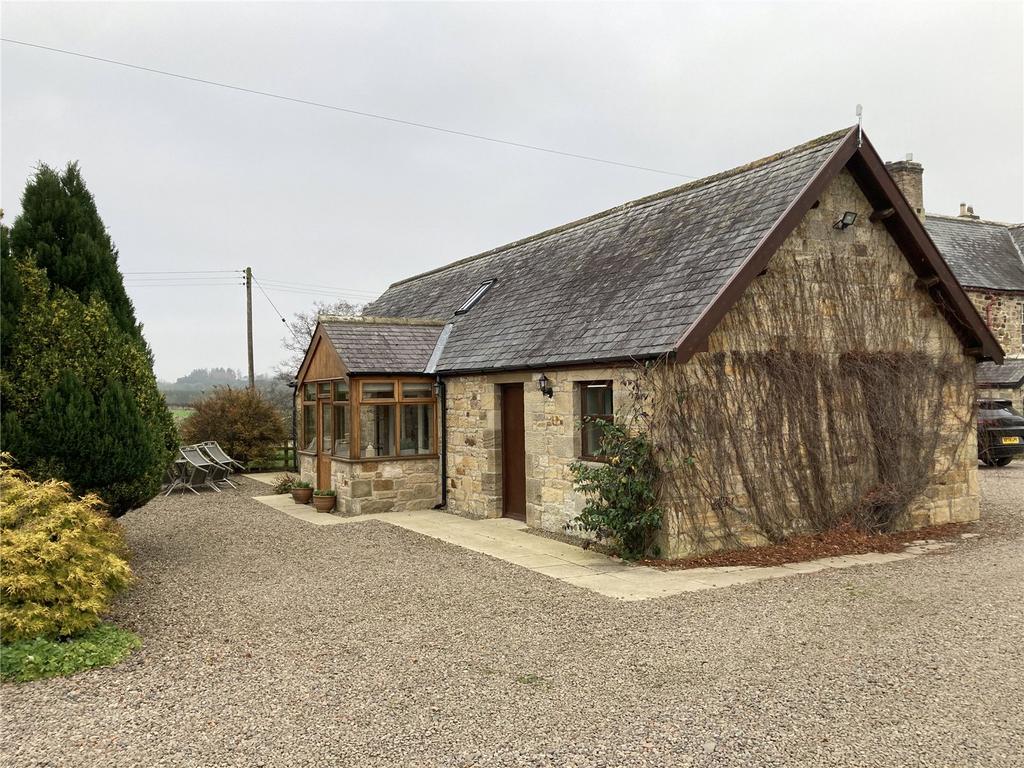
[(368, 415)]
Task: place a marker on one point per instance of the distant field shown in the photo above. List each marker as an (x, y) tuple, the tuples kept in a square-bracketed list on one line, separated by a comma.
[(180, 414)]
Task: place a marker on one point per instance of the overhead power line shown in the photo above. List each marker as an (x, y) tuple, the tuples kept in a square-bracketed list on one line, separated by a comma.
[(325, 294), (269, 300), (347, 110), (182, 285), (332, 288), (189, 272)]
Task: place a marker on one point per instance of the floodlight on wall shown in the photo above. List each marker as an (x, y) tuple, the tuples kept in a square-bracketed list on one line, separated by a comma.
[(544, 386), (846, 220)]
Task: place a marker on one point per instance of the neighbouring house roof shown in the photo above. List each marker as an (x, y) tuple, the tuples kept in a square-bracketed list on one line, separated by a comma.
[(1010, 374), (371, 345), (982, 254), (656, 275)]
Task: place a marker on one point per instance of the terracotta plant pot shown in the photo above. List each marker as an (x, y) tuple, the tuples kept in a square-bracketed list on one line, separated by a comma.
[(324, 503), (302, 495)]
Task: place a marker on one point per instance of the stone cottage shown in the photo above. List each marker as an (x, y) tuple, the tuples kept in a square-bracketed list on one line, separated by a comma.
[(474, 386), (987, 257)]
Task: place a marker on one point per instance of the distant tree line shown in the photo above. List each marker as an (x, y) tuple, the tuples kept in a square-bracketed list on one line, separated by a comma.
[(183, 394), (210, 376)]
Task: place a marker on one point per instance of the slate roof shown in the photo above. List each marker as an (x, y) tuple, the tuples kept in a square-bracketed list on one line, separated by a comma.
[(382, 345), (625, 283), (1010, 374), (982, 254)]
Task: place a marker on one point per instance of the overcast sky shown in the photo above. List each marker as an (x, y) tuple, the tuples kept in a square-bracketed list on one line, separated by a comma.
[(193, 177)]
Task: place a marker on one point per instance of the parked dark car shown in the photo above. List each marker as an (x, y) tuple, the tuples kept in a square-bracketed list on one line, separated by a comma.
[(1000, 433)]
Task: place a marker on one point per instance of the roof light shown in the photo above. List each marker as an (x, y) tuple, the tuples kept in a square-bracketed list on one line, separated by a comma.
[(477, 295)]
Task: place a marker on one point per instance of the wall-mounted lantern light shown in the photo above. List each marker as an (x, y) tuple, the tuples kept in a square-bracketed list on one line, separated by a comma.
[(544, 386), (846, 220)]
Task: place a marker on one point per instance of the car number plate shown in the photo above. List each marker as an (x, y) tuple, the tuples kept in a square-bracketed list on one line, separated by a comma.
[(1011, 441)]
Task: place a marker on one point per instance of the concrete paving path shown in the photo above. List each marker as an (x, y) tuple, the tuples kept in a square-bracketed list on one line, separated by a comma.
[(509, 540)]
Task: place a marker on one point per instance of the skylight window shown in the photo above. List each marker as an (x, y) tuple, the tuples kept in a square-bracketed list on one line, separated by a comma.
[(477, 295)]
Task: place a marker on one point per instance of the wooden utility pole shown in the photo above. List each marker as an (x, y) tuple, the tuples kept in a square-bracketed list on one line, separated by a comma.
[(248, 323)]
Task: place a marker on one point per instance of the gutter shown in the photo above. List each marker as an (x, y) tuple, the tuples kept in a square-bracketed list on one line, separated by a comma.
[(442, 398), (605, 362)]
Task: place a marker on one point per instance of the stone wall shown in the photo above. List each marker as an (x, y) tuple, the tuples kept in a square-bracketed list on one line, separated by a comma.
[(551, 431), (369, 487), (552, 442), (1002, 312), (307, 468)]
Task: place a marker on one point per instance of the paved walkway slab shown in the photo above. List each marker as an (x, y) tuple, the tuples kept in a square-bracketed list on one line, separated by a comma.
[(509, 540), (267, 478)]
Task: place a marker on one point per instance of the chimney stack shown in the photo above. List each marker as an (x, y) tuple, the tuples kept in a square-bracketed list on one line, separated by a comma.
[(909, 176), (967, 212)]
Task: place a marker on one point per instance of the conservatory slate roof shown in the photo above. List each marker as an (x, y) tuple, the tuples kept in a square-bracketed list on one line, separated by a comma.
[(982, 254), (382, 345), (656, 275)]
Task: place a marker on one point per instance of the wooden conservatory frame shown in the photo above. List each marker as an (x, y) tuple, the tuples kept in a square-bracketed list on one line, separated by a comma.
[(322, 397)]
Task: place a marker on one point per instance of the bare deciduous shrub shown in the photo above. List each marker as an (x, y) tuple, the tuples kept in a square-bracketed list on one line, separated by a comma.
[(245, 424)]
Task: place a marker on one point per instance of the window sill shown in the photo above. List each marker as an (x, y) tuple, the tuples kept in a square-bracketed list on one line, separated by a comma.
[(374, 459)]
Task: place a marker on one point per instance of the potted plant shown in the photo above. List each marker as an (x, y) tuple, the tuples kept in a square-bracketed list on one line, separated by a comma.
[(284, 483), (301, 491), (324, 499)]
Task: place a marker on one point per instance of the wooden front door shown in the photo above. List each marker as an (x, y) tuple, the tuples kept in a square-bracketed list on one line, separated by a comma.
[(324, 443), (513, 452)]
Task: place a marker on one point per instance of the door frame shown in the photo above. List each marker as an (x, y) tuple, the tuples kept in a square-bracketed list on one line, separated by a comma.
[(513, 447), (323, 458)]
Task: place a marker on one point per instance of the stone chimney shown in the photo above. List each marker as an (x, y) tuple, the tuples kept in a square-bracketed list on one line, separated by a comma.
[(967, 212), (908, 176)]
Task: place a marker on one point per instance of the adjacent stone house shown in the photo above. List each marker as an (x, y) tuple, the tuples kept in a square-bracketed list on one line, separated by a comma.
[(986, 257), (474, 387)]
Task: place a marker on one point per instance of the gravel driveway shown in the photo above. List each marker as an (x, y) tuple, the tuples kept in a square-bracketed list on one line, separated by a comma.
[(272, 642)]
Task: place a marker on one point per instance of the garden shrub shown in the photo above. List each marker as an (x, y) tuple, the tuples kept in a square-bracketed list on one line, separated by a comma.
[(621, 491), (246, 424), (63, 559), (73, 352), (80, 399)]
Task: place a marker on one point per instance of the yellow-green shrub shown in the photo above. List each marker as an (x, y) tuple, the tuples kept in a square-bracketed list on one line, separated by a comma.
[(62, 559)]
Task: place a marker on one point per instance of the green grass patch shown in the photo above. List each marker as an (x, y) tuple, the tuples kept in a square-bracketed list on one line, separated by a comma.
[(41, 658), (180, 414)]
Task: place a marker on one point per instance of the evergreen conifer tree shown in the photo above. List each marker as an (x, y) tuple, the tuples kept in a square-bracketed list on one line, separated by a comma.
[(10, 290), (80, 398), (61, 227)]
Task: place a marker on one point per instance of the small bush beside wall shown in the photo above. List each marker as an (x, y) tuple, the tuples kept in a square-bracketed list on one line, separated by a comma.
[(621, 491)]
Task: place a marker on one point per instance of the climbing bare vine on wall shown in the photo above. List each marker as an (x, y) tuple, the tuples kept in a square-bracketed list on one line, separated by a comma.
[(835, 404)]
